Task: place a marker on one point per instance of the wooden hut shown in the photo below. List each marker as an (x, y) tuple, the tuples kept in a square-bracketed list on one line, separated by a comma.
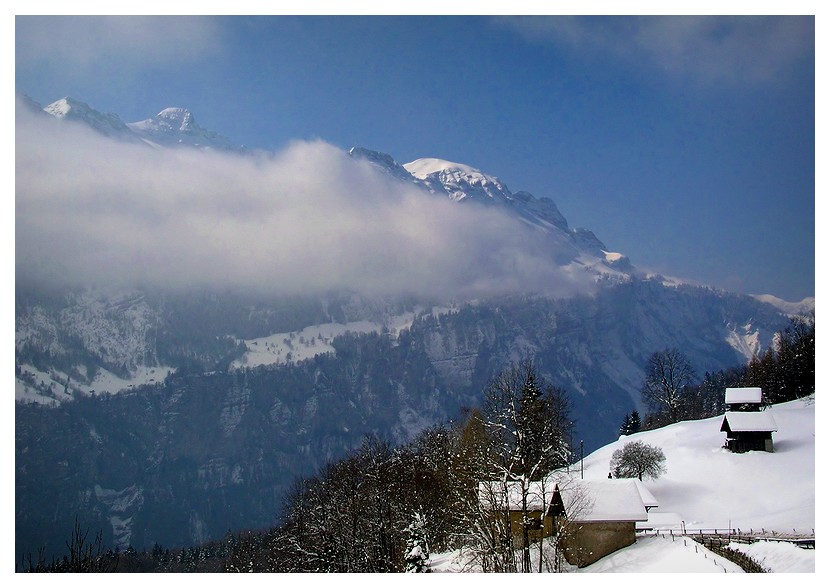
[(748, 431)]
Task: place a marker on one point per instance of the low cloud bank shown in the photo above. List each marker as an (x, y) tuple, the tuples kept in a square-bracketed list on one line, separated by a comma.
[(91, 211)]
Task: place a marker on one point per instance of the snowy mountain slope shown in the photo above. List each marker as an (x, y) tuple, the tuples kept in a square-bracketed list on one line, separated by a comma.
[(107, 124), (577, 248), (172, 127), (706, 487), (803, 308), (120, 347), (93, 341)]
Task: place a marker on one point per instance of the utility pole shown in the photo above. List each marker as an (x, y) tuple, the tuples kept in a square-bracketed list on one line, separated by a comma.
[(570, 445), (581, 458)]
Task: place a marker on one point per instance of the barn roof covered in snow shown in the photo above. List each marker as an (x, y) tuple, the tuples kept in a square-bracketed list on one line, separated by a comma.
[(748, 421), (649, 501), (743, 396), (494, 495), (601, 500)]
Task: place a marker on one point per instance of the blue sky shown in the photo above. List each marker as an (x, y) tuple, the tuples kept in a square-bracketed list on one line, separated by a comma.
[(687, 143)]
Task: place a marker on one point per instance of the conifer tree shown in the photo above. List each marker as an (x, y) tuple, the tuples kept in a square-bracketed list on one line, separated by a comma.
[(634, 423), (417, 547), (625, 428)]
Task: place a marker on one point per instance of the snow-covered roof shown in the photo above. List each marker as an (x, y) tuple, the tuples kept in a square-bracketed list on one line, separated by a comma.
[(603, 500), (748, 421), (743, 395), (491, 495), (649, 501)]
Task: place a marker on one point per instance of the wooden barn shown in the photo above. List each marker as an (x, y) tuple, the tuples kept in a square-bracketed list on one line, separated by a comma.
[(596, 518), (747, 427), (748, 431)]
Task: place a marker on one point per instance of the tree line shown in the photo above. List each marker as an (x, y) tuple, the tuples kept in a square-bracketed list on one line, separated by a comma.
[(385, 508), (784, 371)]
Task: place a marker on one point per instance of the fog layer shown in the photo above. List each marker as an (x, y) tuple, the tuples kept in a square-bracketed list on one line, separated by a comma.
[(93, 211)]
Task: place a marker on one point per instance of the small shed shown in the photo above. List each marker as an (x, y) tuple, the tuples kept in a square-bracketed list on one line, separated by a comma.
[(743, 399), (598, 517), (748, 431)]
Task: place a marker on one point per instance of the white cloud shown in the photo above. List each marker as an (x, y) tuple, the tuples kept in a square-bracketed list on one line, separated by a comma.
[(85, 42), (709, 49), (309, 219)]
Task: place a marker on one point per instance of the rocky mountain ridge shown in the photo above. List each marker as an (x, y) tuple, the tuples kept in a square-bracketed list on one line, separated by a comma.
[(171, 127)]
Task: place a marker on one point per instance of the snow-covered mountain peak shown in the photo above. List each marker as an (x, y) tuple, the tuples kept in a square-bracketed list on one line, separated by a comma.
[(464, 183), (171, 119), (61, 108), (421, 168), (461, 182), (107, 124), (176, 126)]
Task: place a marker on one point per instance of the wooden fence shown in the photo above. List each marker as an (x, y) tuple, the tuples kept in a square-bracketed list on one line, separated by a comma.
[(717, 541)]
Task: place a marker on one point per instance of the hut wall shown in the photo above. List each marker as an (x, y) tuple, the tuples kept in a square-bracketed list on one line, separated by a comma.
[(537, 533), (739, 442), (585, 543)]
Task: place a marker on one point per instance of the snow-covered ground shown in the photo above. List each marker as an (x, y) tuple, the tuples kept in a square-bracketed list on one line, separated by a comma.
[(281, 348), (104, 381), (648, 554), (707, 487), (779, 556)]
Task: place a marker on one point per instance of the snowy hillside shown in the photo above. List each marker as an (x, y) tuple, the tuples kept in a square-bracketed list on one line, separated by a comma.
[(708, 487), (314, 340)]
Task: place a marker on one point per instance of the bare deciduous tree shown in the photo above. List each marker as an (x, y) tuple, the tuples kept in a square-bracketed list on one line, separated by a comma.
[(668, 375), (527, 424)]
